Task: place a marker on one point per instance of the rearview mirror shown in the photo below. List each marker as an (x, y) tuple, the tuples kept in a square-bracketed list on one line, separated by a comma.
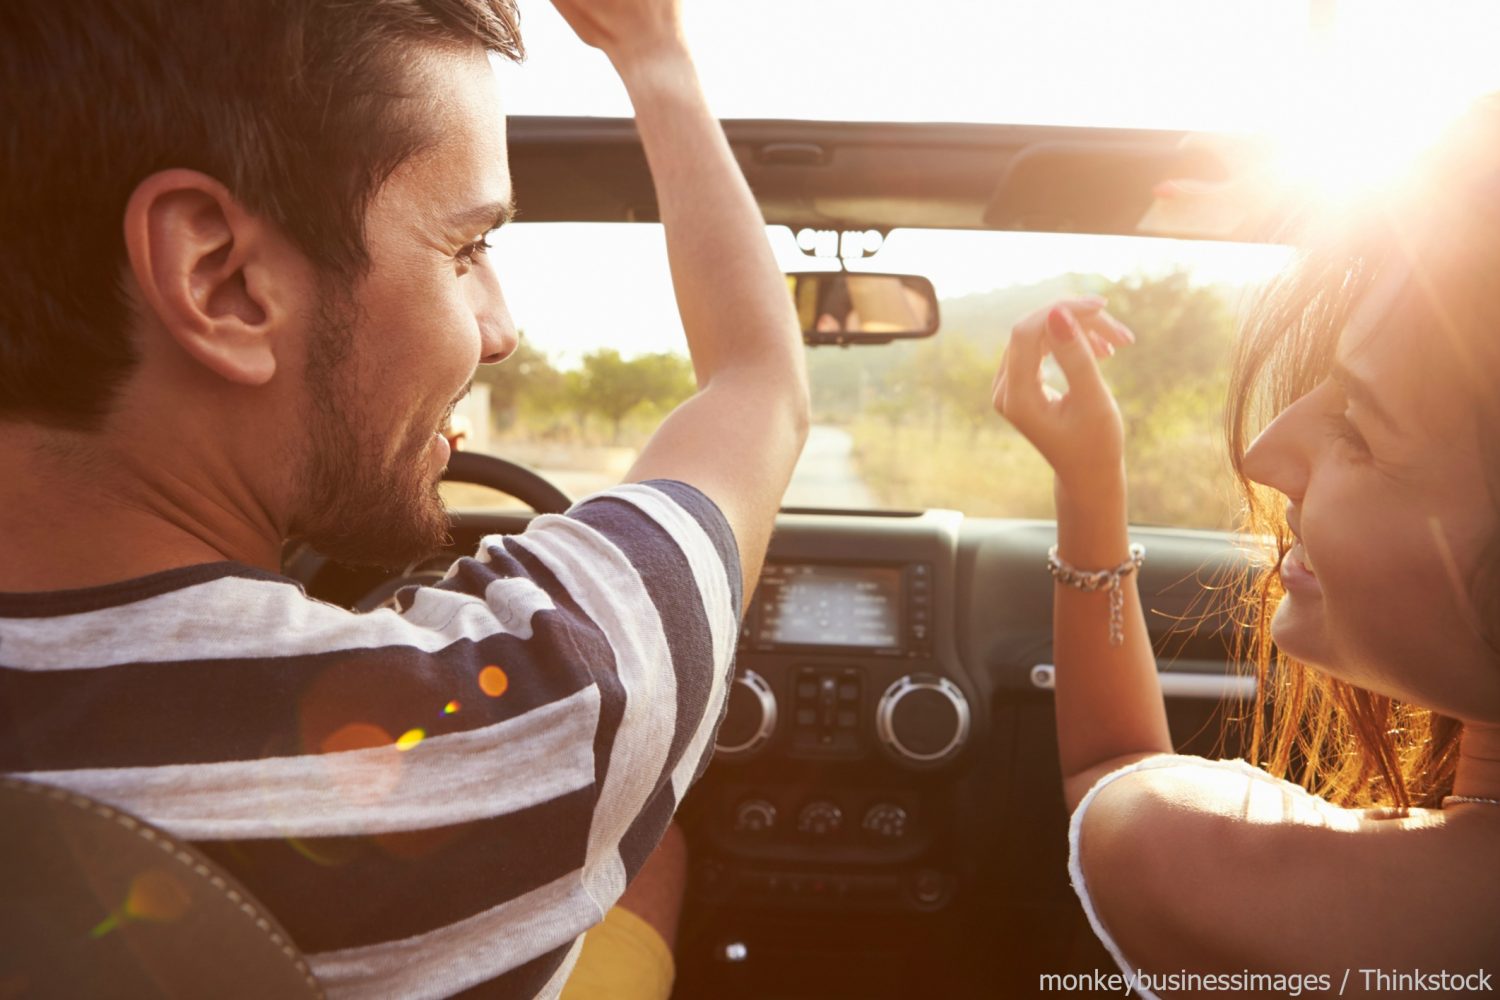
[(840, 307)]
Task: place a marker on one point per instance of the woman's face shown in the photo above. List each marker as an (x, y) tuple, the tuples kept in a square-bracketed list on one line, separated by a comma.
[(1385, 495)]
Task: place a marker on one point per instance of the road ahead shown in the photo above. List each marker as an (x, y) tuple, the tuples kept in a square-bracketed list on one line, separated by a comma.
[(825, 475)]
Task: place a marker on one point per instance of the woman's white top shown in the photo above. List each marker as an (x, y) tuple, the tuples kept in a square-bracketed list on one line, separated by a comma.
[(1075, 863)]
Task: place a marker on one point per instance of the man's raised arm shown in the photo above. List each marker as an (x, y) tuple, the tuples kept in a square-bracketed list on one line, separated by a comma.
[(738, 438)]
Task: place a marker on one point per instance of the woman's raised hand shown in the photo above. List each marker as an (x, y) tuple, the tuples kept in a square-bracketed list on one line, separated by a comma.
[(1079, 431)]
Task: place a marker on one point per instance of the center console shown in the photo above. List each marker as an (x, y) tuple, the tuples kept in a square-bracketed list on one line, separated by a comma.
[(848, 717)]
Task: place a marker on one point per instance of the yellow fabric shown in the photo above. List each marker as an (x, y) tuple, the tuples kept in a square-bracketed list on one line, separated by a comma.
[(622, 959)]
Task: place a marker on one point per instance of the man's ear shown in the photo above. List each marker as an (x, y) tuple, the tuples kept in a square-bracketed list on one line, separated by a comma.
[(208, 270)]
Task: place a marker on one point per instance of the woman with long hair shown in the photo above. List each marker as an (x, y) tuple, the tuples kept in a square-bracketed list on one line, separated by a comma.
[(1362, 837)]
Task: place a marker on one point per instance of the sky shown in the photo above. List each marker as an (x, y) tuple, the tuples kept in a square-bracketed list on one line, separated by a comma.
[(1350, 88)]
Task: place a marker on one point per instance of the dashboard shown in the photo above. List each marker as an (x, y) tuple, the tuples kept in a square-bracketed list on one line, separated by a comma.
[(884, 812), (883, 816)]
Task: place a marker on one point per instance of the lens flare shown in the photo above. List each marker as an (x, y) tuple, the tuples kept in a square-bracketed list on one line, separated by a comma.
[(492, 681), (355, 736), (412, 844), (450, 708), (328, 853), (155, 895), (366, 776), (410, 738)]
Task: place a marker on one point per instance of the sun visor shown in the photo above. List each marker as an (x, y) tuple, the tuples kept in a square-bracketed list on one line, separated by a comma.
[(1092, 187)]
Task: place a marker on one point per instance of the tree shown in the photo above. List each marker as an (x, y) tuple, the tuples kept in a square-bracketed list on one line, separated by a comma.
[(525, 382), (1186, 332), (612, 386), (1170, 389), (1171, 393), (955, 378)]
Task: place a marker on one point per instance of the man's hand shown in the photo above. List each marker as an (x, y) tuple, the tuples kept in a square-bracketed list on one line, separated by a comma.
[(1078, 432), (738, 438), (626, 30)]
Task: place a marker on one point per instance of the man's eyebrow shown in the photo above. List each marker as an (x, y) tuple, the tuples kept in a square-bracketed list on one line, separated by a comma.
[(1359, 391), (491, 215)]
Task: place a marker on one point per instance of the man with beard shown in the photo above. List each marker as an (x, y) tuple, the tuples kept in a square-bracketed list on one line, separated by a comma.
[(242, 286)]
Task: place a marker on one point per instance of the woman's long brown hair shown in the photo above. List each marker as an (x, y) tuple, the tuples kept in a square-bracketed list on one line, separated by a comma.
[(1346, 744)]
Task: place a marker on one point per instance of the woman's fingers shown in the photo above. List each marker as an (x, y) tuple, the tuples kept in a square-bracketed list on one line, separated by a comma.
[(1018, 384), (1116, 332), (1101, 347), (1072, 348), (1077, 428), (1105, 332), (1017, 389), (1022, 365)]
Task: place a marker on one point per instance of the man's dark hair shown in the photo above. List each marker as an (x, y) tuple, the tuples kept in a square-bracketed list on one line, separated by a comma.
[(296, 106)]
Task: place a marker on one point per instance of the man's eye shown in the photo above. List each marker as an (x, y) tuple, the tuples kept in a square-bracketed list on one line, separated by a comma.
[(469, 253)]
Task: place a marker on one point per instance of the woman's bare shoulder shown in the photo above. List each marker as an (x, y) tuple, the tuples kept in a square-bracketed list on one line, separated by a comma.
[(1217, 867)]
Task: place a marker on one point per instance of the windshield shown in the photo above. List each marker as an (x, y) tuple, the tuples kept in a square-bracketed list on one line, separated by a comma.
[(900, 426), (1346, 89)]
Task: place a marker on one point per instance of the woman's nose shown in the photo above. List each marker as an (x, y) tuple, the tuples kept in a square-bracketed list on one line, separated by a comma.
[(1278, 457)]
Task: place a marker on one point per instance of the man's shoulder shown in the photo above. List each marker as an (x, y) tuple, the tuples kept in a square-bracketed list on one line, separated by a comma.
[(660, 537), (685, 512), (142, 619)]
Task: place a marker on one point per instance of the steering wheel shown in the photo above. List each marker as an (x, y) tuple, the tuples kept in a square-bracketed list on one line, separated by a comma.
[(507, 477), (302, 562), (481, 470)]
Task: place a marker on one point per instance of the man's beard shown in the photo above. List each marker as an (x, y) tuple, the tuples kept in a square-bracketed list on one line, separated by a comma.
[(356, 507)]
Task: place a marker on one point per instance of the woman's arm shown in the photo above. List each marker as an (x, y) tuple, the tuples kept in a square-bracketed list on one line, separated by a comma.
[(1108, 699)]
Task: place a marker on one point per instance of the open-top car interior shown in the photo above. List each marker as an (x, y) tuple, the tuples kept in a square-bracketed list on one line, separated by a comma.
[(884, 814)]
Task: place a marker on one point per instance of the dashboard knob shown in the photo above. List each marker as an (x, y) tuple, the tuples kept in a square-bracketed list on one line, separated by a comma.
[(885, 821), (930, 889), (922, 719), (820, 819), (754, 816), (750, 718)]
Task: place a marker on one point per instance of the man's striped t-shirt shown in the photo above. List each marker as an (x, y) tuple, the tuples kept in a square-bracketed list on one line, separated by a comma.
[(431, 800)]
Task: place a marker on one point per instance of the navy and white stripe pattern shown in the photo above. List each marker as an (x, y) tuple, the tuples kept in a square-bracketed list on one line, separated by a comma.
[(418, 834)]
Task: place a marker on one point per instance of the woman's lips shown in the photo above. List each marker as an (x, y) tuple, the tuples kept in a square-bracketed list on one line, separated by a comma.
[(1297, 574)]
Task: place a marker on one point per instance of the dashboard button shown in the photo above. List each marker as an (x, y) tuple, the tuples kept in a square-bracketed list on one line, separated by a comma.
[(733, 952), (754, 816), (885, 821), (750, 719), (820, 819), (929, 889), (922, 719)]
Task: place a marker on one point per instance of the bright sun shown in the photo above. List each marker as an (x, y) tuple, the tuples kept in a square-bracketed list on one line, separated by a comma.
[(1379, 84)]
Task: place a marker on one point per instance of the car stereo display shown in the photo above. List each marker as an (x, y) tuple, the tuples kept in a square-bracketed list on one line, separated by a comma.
[(807, 605)]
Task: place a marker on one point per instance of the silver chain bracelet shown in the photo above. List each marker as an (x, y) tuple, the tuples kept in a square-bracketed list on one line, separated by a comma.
[(1101, 579)]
